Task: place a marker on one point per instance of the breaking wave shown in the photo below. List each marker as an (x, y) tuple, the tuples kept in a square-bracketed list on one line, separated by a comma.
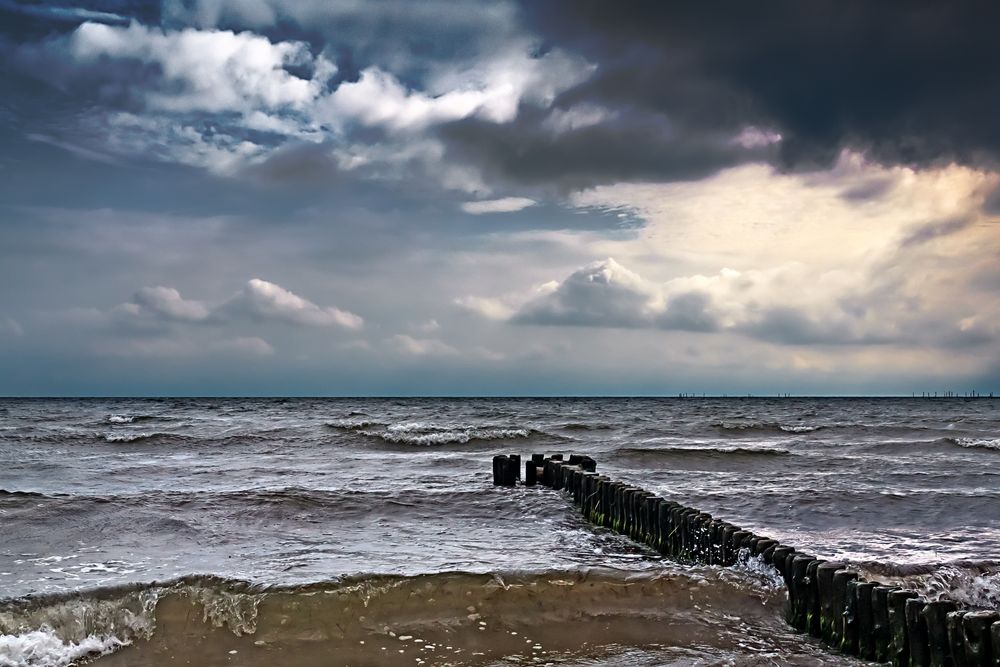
[(426, 434), (128, 419), (977, 443), (765, 427), (452, 613)]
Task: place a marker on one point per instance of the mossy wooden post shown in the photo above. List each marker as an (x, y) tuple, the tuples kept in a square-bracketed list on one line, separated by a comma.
[(797, 593), (617, 489), (641, 502), (880, 617), (516, 463), (978, 643), (628, 502), (649, 519), (619, 498), (592, 498), (600, 500), (935, 615), (864, 617), (843, 635), (638, 510), (828, 615), (608, 500), (653, 522), (813, 610), (899, 647), (652, 525), (640, 516), (916, 633), (956, 637)]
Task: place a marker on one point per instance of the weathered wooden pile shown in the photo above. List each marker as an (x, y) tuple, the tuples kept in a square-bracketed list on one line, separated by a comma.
[(826, 599)]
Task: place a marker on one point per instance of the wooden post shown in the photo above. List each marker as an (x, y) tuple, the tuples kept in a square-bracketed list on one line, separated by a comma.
[(797, 593), (899, 648), (880, 617), (936, 619), (813, 610), (956, 637), (864, 617), (843, 633), (978, 644), (828, 615), (779, 558), (530, 473), (916, 632), (995, 640), (736, 544)]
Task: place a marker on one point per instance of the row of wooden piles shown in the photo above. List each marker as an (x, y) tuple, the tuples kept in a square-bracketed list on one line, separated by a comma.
[(826, 599)]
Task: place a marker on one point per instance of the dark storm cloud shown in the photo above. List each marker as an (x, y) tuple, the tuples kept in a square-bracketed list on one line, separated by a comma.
[(25, 21), (628, 146), (909, 81)]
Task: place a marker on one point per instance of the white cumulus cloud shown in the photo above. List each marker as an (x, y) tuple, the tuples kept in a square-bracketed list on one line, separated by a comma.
[(207, 70), (262, 300), (168, 303)]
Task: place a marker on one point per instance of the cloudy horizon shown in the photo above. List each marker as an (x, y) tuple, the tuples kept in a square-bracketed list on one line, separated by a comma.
[(254, 197)]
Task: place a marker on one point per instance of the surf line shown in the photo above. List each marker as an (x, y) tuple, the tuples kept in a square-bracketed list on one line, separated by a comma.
[(826, 599)]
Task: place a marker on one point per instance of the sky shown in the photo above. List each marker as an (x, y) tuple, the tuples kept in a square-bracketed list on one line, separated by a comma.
[(547, 197)]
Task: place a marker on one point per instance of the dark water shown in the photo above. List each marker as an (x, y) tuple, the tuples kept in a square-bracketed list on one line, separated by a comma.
[(322, 531)]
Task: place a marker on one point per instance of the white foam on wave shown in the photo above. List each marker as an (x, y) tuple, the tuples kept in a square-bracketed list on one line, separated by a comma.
[(44, 648), (423, 433), (977, 587), (121, 419), (801, 428), (979, 443), (126, 437)]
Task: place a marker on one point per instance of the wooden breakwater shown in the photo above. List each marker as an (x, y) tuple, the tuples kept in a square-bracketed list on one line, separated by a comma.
[(826, 599)]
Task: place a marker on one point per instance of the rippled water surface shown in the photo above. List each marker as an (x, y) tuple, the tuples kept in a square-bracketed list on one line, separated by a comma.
[(298, 492)]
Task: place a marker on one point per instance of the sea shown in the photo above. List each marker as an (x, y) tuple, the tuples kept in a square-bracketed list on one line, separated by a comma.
[(186, 531)]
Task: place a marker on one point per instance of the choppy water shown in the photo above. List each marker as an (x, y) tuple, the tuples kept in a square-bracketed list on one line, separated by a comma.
[(269, 515)]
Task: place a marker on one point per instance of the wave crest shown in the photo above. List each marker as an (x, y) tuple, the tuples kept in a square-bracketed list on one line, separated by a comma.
[(427, 434), (765, 427), (703, 451), (977, 443)]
